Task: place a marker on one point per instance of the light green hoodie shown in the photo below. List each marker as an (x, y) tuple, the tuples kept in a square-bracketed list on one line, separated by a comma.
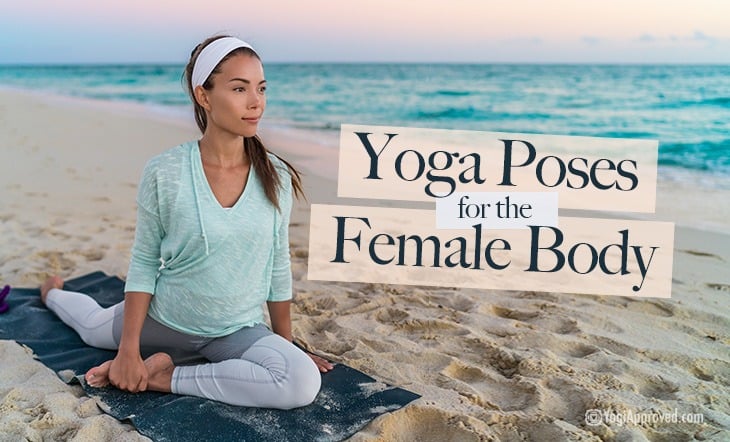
[(210, 269)]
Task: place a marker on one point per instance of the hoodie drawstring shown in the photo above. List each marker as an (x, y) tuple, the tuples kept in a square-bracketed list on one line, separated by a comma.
[(197, 201)]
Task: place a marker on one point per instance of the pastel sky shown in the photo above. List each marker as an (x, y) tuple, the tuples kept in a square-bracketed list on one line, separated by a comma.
[(579, 31)]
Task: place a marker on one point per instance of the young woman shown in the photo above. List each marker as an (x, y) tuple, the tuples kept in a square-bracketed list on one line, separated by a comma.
[(211, 246)]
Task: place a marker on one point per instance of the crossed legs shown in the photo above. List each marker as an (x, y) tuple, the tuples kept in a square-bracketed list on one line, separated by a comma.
[(248, 368)]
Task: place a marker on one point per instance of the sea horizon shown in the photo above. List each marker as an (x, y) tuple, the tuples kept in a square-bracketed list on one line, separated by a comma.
[(362, 62)]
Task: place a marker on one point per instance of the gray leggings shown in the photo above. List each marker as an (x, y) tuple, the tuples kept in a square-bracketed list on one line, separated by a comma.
[(251, 367)]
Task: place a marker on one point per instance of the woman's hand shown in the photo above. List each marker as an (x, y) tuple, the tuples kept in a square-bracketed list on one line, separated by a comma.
[(128, 372), (321, 363)]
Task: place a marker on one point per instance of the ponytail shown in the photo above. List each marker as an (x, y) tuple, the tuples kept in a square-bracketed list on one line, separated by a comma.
[(266, 171)]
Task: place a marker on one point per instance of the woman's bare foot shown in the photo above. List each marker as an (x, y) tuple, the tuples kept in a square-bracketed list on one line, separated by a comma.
[(53, 282), (159, 372), (98, 376)]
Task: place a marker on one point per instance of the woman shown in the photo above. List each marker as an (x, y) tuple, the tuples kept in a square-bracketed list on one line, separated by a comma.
[(211, 245)]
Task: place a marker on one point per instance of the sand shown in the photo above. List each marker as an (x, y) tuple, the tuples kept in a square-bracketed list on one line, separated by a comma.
[(490, 365)]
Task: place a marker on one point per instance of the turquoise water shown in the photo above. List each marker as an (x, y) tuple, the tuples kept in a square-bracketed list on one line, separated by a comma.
[(687, 108)]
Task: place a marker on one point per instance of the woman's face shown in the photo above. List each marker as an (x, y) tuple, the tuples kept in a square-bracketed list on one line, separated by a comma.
[(237, 100)]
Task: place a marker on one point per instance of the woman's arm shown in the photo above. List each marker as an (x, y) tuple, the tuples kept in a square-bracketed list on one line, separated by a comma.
[(280, 293), (280, 314), (127, 370)]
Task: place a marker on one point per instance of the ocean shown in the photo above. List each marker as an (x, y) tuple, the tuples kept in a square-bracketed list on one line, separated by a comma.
[(685, 107)]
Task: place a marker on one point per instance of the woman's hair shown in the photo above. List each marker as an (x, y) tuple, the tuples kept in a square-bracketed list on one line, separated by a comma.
[(254, 147)]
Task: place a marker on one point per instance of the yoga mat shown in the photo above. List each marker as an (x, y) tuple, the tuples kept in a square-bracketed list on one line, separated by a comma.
[(348, 400)]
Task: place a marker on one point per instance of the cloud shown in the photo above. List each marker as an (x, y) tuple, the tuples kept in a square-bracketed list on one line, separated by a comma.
[(590, 40), (646, 38), (701, 36), (696, 37), (523, 40)]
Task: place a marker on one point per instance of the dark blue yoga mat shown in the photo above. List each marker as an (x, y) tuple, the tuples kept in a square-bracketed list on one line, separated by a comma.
[(349, 399)]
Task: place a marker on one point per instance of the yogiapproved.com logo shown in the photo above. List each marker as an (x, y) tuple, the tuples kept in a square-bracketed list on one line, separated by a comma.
[(595, 416)]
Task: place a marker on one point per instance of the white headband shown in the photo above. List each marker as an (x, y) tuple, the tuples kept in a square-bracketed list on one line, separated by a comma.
[(211, 55)]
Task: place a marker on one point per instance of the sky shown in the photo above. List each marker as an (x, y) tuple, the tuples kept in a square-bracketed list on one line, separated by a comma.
[(522, 31)]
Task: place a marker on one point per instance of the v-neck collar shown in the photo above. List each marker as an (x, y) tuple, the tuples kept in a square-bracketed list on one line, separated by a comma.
[(198, 162)]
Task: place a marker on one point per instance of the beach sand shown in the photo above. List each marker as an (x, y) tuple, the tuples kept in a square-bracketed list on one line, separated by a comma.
[(490, 364)]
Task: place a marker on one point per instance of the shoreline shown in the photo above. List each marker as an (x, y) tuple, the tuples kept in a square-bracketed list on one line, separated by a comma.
[(488, 363), (316, 152)]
